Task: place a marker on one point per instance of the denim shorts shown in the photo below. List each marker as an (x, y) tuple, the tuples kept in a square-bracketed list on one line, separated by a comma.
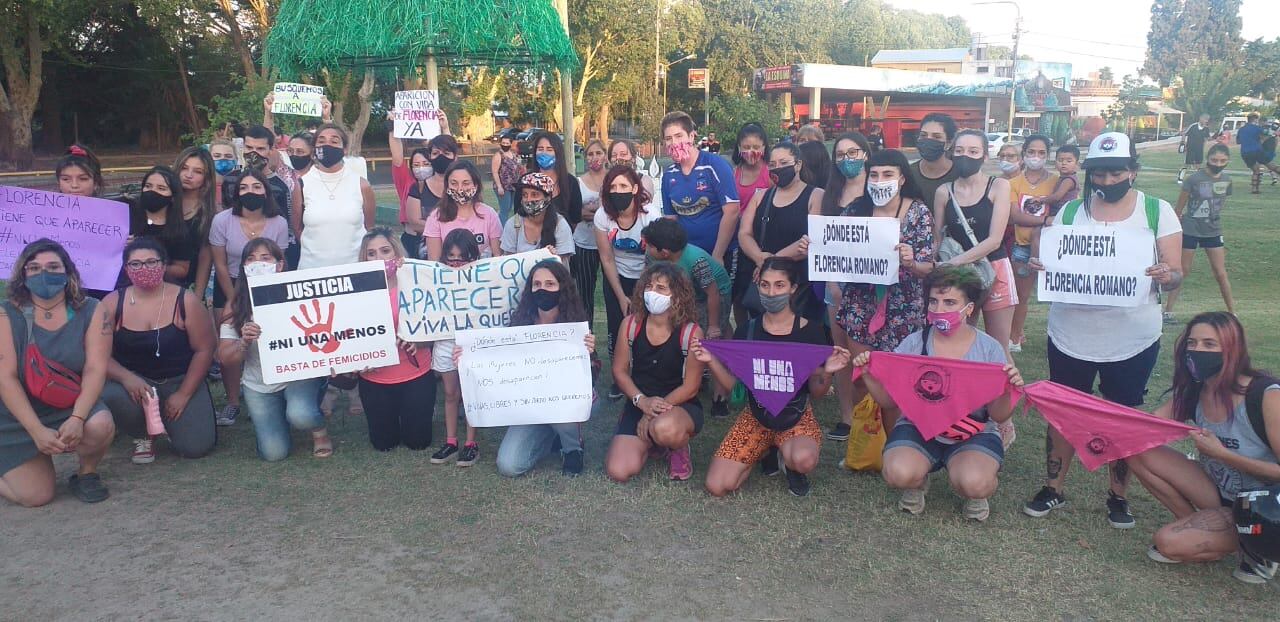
[(905, 434)]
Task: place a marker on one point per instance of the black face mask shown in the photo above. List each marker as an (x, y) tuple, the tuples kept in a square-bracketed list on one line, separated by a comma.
[(620, 201), (1203, 365), (546, 300), (253, 202), (441, 163), (329, 156), (783, 175), (1113, 192), (299, 162), (930, 148), (153, 201), (1214, 170), (966, 166)]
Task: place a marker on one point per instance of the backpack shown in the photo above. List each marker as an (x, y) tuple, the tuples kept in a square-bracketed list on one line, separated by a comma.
[(1152, 207), (686, 335), (1253, 405)]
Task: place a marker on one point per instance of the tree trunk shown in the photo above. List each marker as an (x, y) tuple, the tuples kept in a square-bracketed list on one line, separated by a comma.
[(365, 95), (20, 133), (237, 40), (602, 122), (18, 102), (192, 118)]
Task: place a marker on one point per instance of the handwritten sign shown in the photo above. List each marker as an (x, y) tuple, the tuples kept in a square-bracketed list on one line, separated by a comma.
[(92, 230), (1096, 265), (336, 318), (851, 249), (436, 300), (525, 375), (299, 99), (417, 115)]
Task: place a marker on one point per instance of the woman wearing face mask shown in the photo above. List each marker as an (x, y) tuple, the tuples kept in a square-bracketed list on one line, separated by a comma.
[(274, 408), (890, 192), (157, 213), (195, 174), (1009, 159), (425, 195), (750, 174), (461, 208), (399, 400), (934, 168), (548, 297), (982, 201), (622, 152), (757, 436), (458, 249), (335, 205), (537, 224), (585, 264), (971, 450), (849, 155), (549, 157), (404, 179), (1204, 194), (170, 356), (624, 213), (47, 308), (660, 380), (1028, 202), (1237, 408), (1116, 345), (506, 168), (225, 165)]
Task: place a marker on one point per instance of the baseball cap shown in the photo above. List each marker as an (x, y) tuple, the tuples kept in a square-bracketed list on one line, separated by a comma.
[(540, 181), (1109, 150)]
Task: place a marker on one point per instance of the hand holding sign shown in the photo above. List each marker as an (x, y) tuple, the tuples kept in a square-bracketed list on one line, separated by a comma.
[(1098, 265), (417, 115), (849, 249)]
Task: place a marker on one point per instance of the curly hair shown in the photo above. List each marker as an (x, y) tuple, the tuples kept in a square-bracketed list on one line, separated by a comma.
[(19, 295), (526, 313), (684, 310)]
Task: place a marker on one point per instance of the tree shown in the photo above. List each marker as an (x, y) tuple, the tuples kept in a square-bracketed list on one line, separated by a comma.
[(1262, 67), (1106, 74), (1185, 32), (1209, 88), (730, 112), (1131, 102)]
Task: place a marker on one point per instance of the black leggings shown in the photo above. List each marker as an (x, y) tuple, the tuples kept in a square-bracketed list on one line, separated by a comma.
[(613, 308), (399, 413), (585, 265)]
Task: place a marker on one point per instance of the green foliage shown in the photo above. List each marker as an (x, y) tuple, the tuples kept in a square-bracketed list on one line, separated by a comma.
[(730, 112), (864, 27), (1262, 67), (1209, 87), (1106, 73), (241, 104), (1185, 32), (1131, 102)]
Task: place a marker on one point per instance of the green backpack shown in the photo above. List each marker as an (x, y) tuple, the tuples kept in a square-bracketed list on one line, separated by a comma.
[(1152, 205)]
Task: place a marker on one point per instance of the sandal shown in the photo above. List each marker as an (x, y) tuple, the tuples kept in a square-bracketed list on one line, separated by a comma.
[(88, 488), (323, 445)]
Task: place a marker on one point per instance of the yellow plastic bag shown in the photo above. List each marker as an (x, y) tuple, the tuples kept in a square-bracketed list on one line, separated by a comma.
[(865, 448)]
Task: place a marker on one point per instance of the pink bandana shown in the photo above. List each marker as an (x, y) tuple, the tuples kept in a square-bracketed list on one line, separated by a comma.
[(938, 393)]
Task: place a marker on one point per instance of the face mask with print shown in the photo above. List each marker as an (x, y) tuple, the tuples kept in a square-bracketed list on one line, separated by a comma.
[(546, 160), (391, 265), (1033, 163), (255, 160), (751, 157), (462, 195), (329, 156), (930, 148), (534, 207), (783, 175), (1007, 167), (850, 168), (656, 303), (47, 285), (595, 165), (145, 278), (881, 192), (679, 152), (421, 173), (946, 322), (1112, 192), (1203, 365), (624, 163), (259, 268), (224, 167)]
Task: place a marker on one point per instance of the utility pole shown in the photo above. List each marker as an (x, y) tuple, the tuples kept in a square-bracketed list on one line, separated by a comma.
[(1013, 67)]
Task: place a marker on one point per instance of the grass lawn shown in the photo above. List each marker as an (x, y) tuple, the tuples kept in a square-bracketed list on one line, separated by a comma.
[(390, 536)]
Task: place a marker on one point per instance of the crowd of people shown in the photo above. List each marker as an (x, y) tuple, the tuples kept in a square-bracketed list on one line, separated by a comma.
[(713, 250)]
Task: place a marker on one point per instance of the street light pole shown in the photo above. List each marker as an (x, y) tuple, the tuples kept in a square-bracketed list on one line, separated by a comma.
[(1013, 68)]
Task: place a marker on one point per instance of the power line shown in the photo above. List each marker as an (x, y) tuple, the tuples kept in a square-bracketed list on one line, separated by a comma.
[(1058, 36), (1079, 53)]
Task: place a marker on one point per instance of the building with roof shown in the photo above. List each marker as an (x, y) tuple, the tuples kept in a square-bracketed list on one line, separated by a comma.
[(941, 60)]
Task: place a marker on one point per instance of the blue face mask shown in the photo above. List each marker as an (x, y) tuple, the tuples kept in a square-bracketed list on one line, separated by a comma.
[(850, 168), (47, 284), (546, 160), (224, 166)]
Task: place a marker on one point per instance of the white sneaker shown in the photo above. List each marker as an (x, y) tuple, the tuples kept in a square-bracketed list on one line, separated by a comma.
[(977, 509), (1015, 347), (1157, 556), (143, 453)]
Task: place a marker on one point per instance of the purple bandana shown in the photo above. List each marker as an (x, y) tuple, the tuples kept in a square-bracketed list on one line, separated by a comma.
[(773, 371)]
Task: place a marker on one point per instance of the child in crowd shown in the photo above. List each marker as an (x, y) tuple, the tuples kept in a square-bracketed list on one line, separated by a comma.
[(458, 249)]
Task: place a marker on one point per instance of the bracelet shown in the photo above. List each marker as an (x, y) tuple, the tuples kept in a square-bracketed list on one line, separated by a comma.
[(82, 419), (635, 401)]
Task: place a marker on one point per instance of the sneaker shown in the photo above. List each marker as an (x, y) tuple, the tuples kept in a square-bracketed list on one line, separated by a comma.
[(1156, 556), (227, 416), (977, 509), (142, 451), (469, 454), (1167, 318), (679, 464), (719, 408), (1118, 512), (447, 451), (215, 371), (1045, 501), (1246, 573), (769, 464), (840, 432), (615, 393), (1182, 174), (1015, 347), (797, 483), (1008, 433), (88, 488), (572, 465), (912, 500)]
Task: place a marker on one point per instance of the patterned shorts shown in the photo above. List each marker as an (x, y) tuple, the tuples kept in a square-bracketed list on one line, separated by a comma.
[(748, 441)]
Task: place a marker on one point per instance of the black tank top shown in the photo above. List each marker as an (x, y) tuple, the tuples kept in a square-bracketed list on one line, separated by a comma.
[(155, 354), (778, 226), (657, 370), (979, 217)]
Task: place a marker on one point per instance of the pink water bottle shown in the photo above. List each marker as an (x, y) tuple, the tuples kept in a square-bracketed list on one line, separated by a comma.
[(155, 427)]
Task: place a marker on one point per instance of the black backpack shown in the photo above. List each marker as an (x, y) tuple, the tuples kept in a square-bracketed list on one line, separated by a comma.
[(1253, 405)]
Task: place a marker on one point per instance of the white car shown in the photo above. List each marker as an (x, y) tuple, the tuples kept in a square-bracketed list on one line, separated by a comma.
[(996, 140)]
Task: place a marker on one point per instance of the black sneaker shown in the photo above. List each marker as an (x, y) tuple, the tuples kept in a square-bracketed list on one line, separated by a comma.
[(615, 393), (447, 451), (1118, 512), (769, 463), (840, 432), (468, 455), (572, 463), (719, 408), (88, 488), (1045, 501), (797, 483)]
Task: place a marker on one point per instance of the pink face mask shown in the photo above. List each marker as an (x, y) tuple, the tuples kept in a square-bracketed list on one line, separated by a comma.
[(595, 165), (679, 151), (145, 278), (751, 156), (391, 265), (946, 322)]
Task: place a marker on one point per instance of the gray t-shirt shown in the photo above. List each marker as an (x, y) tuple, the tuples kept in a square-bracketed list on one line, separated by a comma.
[(1205, 198), (985, 349), (1236, 434), (515, 241)]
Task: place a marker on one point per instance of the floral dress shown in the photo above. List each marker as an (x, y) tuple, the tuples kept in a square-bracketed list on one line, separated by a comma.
[(904, 305)]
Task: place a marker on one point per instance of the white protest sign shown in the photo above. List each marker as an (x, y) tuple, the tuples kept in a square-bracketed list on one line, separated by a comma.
[(417, 115), (852, 249), (436, 300), (335, 318), (299, 99), (525, 375), (1096, 265)]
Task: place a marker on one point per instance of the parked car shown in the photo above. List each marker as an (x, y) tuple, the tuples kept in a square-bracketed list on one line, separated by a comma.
[(996, 140), (506, 132)]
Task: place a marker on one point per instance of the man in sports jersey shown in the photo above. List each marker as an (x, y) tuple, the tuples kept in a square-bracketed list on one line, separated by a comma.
[(698, 190)]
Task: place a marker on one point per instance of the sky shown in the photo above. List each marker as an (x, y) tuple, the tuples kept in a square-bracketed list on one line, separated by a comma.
[(1089, 34)]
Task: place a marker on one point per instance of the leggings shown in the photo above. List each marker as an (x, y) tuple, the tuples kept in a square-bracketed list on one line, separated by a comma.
[(192, 435), (613, 308), (584, 263), (399, 413)]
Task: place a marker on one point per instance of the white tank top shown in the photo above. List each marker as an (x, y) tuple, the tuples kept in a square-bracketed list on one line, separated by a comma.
[(333, 218)]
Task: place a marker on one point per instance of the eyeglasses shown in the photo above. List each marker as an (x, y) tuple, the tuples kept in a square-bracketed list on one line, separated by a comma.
[(852, 154), (150, 263)]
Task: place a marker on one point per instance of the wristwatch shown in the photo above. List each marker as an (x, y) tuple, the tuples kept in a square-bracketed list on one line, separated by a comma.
[(635, 401)]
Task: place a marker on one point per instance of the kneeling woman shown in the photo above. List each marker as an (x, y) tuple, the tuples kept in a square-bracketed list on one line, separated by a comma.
[(659, 379), (794, 431), (549, 297), (971, 450), (1214, 387), (274, 408)]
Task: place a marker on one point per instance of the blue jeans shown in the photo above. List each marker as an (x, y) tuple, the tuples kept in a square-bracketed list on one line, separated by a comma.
[(506, 203), (524, 445), (274, 413)]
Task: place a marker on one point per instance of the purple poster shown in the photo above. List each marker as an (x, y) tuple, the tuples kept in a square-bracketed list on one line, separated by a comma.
[(92, 230), (774, 372)]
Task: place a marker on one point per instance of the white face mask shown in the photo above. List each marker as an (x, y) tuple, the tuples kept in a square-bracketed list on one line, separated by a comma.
[(421, 173), (881, 192), (1034, 164), (259, 268), (656, 303)]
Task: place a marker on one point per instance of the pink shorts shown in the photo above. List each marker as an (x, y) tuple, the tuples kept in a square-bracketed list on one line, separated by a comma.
[(1003, 294)]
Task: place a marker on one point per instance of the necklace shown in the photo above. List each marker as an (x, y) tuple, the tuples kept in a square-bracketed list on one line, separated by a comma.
[(249, 231), (48, 311), (332, 188)]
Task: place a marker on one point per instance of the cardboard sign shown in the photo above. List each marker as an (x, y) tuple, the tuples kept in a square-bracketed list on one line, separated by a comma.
[(336, 318), (417, 115), (92, 230), (1096, 265), (525, 375), (436, 300), (299, 99), (852, 249)]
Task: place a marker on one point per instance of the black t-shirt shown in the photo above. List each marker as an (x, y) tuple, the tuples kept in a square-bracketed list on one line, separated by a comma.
[(811, 333), (426, 198), (1196, 135)]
